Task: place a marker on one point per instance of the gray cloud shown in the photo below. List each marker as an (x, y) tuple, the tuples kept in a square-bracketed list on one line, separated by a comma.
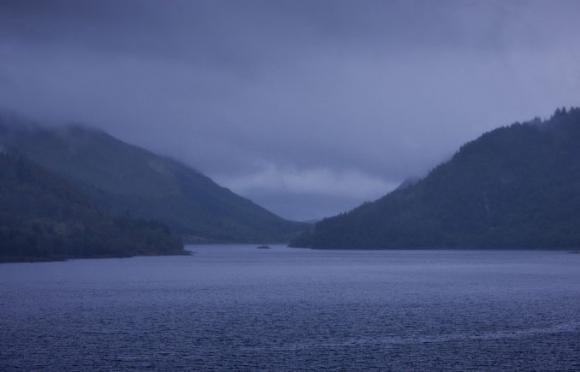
[(308, 107)]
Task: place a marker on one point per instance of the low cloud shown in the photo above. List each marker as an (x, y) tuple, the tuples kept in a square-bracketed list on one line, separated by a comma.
[(350, 184), (307, 107)]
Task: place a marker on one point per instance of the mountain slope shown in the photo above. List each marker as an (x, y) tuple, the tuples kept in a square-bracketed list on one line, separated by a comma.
[(42, 216), (514, 187), (128, 179)]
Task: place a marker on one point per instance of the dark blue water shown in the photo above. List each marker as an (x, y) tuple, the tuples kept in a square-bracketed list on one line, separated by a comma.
[(242, 308)]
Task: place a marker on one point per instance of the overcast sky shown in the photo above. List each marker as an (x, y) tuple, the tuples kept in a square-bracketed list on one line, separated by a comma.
[(308, 107)]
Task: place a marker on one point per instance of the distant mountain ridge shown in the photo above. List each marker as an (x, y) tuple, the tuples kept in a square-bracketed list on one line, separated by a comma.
[(127, 179), (514, 187)]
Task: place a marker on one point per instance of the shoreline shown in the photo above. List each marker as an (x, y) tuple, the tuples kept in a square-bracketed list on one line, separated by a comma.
[(4, 260)]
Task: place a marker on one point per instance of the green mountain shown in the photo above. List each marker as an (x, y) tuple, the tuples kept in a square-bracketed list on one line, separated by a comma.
[(128, 180), (42, 216), (514, 187)]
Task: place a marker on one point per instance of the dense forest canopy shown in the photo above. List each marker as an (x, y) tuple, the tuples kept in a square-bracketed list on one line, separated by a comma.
[(43, 216), (125, 179), (515, 187)]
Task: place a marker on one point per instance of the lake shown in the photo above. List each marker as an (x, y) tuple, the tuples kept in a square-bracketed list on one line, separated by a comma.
[(238, 307)]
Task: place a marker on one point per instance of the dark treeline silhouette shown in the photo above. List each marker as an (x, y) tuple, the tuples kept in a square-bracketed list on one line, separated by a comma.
[(516, 187), (43, 216)]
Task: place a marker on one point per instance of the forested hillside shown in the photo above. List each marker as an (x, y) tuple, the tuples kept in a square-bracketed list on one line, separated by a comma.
[(514, 187), (43, 216), (126, 179)]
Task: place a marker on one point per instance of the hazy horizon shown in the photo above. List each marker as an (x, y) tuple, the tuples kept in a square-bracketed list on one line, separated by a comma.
[(307, 108)]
